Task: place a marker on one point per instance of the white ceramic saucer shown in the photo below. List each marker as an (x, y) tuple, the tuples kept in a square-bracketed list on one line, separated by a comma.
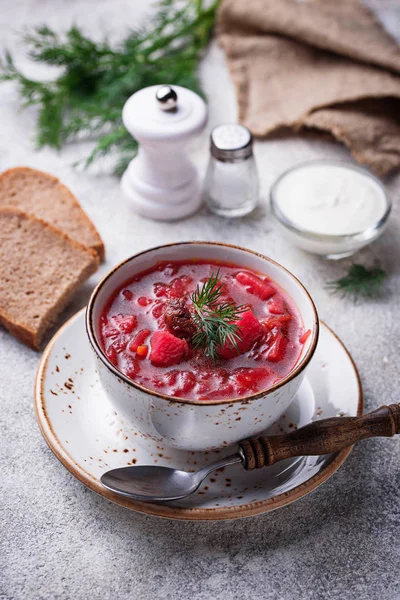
[(88, 437)]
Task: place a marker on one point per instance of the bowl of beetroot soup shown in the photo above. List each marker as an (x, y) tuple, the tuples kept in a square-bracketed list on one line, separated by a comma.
[(198, 344)]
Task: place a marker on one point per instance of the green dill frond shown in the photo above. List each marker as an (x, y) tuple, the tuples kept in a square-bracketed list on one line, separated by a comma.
[(209, 293), (85, 100), (215, 320), (359, 281)]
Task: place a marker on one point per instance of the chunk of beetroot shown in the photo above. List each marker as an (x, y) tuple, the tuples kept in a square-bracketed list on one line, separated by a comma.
[(305, 336), (109, 331), (180, 286), (119, 344), (166, 349), (254, 285), (160, 290), (112, 355), (225, 391), (276, 305), (249, 329), (142, 301), (139, 339), (158, 310), (186, 382), (171, 377), (127, 294), (176, 289), (248, 380), (278, 348), (278, 322), (129, 366), (125, 323)]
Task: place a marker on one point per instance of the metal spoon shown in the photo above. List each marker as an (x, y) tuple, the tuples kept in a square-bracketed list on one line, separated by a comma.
[(160, 484), (163, 484)]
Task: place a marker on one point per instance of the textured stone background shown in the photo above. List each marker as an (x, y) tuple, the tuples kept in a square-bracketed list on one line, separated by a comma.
[(59, 540)]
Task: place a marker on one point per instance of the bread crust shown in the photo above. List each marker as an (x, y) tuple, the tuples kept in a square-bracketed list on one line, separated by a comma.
[(34, 337), (21, 332), (98, 246)]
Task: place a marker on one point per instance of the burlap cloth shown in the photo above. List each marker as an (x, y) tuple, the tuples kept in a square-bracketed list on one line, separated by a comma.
[(321, 64)]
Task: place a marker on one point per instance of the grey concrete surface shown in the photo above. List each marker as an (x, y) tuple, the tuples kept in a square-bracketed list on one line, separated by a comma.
[(61, 541)]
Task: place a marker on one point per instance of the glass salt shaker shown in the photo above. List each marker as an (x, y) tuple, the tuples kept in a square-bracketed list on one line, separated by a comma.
[(231, 184)]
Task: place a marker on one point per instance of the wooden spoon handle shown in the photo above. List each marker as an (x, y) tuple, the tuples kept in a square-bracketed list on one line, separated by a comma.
[(321, 437)]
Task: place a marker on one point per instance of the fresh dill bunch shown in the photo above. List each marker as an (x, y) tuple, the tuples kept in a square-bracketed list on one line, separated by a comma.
[(96, 78), (214, 318), (360, 281)]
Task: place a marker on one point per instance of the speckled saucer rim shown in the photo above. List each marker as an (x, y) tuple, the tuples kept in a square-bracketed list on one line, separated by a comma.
[(167, 510)]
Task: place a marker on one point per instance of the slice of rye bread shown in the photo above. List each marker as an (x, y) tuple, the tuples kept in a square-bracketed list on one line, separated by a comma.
[(45, 197), (40, 269)]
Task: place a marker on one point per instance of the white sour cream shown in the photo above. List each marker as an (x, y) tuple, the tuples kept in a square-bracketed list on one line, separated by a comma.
[(330, 199)]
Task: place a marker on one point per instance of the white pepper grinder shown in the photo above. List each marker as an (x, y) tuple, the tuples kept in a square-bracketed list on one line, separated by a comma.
[(161, 182)]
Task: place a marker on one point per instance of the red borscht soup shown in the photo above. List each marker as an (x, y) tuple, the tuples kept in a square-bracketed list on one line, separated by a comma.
[(148, 332)]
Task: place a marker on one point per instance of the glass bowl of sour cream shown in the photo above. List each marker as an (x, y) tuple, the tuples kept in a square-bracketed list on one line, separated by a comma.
[(330, 207)]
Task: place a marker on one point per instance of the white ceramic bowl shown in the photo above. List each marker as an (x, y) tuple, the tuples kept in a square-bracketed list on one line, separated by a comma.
[(189, 424), (333, 246)]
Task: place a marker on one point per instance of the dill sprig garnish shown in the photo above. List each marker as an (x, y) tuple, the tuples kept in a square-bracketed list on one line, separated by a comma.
[(360, 281), (214, 318), (86, 99)]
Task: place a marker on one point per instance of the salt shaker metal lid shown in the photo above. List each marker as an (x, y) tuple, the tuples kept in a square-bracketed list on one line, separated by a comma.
[(231, 185), (231, 142)]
